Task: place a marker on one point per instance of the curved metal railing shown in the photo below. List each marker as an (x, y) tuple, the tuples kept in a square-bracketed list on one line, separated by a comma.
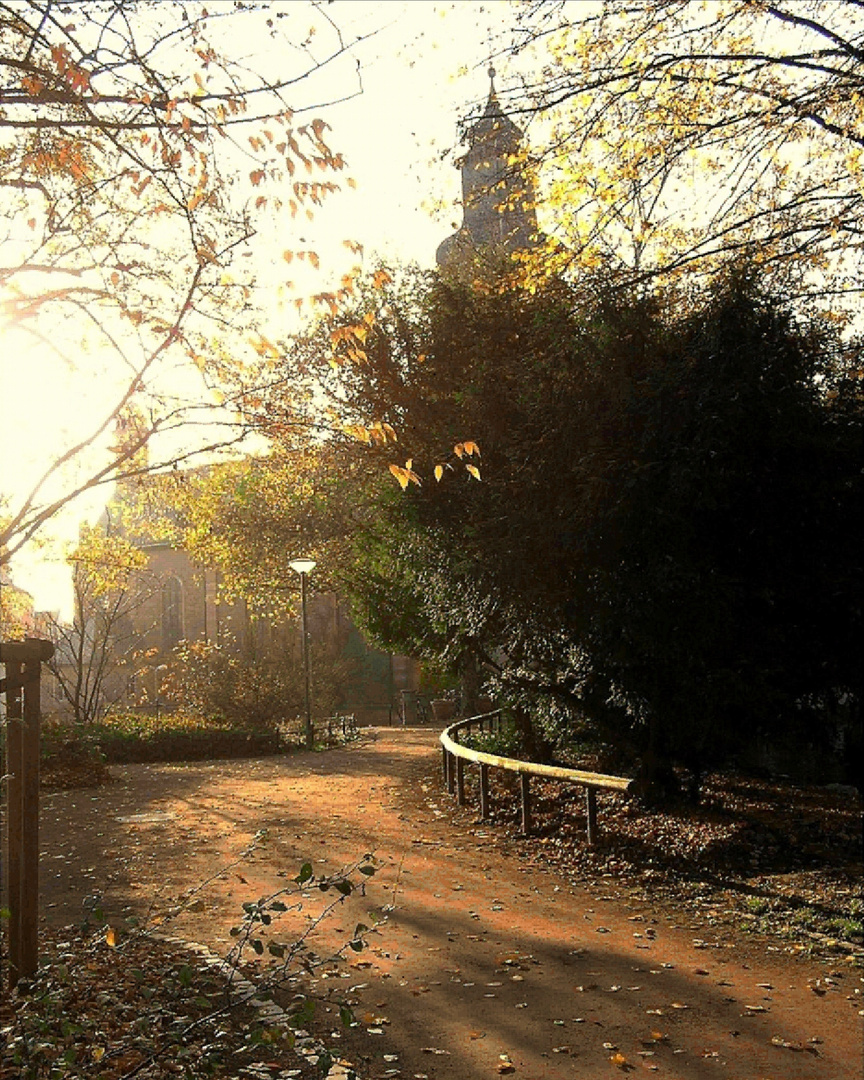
[(454, 756)]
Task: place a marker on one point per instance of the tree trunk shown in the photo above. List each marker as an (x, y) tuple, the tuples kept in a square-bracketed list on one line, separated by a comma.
[(532, 745), (470, 680)]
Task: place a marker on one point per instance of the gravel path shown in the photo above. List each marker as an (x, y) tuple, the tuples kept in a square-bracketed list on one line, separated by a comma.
[(487, 964)]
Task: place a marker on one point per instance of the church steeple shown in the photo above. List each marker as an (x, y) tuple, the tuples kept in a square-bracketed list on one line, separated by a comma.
[(497, 197)]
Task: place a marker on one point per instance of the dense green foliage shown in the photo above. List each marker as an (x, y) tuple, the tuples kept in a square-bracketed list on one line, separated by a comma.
[(663, 547)]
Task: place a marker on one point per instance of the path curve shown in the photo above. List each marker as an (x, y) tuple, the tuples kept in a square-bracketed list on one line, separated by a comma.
[(487, 964)]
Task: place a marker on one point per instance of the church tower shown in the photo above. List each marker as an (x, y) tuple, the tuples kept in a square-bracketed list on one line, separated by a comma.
[(498, 216)]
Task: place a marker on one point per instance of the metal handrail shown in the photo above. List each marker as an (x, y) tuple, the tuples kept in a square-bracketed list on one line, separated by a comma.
[(452, 748)]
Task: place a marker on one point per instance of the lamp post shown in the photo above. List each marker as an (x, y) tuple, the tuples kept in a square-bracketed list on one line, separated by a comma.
[(304, 567)]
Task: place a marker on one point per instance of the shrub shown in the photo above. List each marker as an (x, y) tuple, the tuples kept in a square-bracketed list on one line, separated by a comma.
[(245, 690), (125, 737), (505, 742)]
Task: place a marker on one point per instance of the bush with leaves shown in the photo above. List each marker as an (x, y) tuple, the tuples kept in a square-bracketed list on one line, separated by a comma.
[(249, 690)]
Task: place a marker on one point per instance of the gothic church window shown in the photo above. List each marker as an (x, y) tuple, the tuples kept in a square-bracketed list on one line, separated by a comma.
[(172, 613)]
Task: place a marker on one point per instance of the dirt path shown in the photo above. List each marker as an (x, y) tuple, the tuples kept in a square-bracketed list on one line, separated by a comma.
[(484, 954)]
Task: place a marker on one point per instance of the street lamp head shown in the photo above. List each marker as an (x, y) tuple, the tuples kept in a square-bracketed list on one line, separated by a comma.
[(303, 566)]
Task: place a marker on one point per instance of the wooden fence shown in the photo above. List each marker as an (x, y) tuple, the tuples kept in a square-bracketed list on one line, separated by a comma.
[(454, 756), (23, 663)]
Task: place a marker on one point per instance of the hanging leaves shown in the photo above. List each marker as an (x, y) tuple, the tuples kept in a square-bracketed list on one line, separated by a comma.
[(405, 476)]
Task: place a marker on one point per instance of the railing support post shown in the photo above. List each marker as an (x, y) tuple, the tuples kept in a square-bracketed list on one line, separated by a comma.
[(445, 757), (484, 791), (525, 785), (460, 781), (591, 808), (451, 774)]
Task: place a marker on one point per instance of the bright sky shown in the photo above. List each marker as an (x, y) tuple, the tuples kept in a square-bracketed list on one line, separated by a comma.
[(423, 70)]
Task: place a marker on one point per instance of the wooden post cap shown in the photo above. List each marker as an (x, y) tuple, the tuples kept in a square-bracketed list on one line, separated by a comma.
[(23, 652)]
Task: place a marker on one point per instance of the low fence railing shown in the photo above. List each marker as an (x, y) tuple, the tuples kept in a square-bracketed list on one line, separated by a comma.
[(454, 756)]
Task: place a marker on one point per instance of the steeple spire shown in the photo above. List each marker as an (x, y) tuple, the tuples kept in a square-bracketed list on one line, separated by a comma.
[(497, 196)]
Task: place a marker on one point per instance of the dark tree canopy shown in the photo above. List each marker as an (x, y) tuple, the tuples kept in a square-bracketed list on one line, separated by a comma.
[(663, 542)]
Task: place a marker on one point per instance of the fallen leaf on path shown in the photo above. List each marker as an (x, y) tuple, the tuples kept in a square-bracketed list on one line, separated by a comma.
[(433, 1050)]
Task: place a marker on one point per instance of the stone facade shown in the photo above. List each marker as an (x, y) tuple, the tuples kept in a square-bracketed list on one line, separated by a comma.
[(183, 604)]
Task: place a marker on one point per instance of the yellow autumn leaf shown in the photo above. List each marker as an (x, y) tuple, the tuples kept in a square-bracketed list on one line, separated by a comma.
[(409, 463), (111, 937), (459, 449), (404, 476), (288, 256), (401, 475), (470, 448), (439, 472), (475, 472)]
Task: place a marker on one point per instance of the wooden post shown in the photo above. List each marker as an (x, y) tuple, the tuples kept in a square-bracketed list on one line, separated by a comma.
[(525, 784), (484, 791), (23, 663), (444, 762), (451, 774), (460, 781), (14, 807), (591, 805), (29, 910)]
